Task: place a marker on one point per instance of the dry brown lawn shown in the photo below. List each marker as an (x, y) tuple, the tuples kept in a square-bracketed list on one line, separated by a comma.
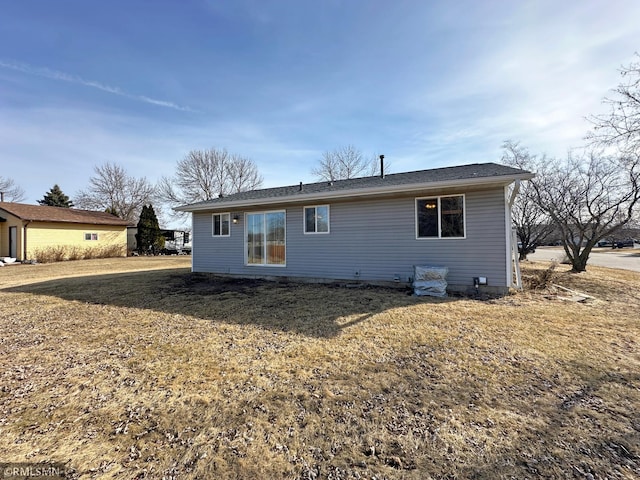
[(136, 368)]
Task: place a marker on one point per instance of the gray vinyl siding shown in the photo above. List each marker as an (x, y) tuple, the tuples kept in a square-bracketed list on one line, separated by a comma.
[(375, 237)]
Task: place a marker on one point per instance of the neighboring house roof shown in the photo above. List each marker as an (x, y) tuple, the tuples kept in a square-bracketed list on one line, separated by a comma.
[(43, 213), (466, 175)]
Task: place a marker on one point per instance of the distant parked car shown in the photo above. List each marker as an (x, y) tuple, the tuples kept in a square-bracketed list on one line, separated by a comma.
[(606, 243), (629, 242)]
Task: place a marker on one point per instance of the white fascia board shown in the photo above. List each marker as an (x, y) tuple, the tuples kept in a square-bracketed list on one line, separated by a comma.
[(358, 192)]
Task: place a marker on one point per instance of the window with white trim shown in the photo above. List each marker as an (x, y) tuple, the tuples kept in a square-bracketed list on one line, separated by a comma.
[(220, 226), (265, 239), (440, 217), (91, 236), (316, 219)]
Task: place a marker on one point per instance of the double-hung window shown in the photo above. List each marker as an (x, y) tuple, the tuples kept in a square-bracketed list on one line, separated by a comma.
[(316, 219), (220, 226), (266, 238), (440, 217), (91, 236)]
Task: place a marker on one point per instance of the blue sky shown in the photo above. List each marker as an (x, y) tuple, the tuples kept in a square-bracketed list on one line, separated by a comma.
[(427, 83)]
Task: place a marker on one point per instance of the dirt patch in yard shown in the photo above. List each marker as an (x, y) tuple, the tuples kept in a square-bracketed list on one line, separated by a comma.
[(154, 372), (207, 284)]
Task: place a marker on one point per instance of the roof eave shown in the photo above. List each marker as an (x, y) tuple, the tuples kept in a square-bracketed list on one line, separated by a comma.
[(359, 192), (101, 220)]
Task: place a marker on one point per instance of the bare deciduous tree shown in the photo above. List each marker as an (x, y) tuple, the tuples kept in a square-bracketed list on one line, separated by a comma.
[(11, 191), (243, 174), (587, 198), (112, 189), (206, 174), (531, 223), (344, 163), (621, 126)]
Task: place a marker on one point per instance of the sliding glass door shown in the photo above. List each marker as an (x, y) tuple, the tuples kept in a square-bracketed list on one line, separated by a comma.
[(266, 238)]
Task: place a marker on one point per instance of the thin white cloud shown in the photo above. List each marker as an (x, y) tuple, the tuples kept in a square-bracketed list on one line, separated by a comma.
[(66, 77), (537, 84), (43, 145)]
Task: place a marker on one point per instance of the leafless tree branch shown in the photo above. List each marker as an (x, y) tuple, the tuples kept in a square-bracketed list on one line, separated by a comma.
[(206, 174), (344, 163), (112, 189), (532, 224), (11, 190), (587, 197), (620, 127)]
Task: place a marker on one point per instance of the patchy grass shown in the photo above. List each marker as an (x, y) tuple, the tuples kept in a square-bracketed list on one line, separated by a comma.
[(136, 368)]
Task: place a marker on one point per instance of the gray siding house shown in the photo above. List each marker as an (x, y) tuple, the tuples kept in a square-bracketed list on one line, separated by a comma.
[(371, 229)]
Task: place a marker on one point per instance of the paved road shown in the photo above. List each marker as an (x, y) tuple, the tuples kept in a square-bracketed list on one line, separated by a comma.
[(626, 258)]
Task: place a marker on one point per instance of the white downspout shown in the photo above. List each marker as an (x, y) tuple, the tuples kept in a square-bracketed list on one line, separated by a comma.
[(514, 260), (192, 237), (25, 224), (514, 193)]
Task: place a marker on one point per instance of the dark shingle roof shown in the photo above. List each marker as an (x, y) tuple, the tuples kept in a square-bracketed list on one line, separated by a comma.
[(400, 180), (44, 213)]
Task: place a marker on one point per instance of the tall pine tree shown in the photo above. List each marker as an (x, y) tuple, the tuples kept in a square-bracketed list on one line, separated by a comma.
[(149, 238), (55, 198)]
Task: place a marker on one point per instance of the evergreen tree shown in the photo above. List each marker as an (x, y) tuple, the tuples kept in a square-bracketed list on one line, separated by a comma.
[(56, 198), (149, 238)]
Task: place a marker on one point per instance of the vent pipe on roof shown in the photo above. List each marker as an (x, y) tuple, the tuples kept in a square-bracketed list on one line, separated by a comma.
[(1, 196), (381, 166), (301, 186)]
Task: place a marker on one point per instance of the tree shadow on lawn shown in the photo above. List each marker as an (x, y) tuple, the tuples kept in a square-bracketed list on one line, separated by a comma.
[(587, 429), (317, 310)]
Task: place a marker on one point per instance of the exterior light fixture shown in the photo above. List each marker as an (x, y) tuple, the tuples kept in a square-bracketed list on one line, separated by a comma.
[(236, 218)]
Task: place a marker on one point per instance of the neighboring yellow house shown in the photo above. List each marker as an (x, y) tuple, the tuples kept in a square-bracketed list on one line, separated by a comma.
[(27, 231)]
